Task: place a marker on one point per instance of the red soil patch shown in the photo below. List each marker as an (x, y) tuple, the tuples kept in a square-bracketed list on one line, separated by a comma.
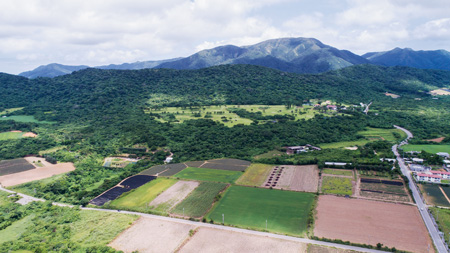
[(371, 222), (16, 131), (30, 134), (437, 140)]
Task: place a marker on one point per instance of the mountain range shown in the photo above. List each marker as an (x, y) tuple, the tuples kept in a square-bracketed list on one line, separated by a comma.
[(297, 55)]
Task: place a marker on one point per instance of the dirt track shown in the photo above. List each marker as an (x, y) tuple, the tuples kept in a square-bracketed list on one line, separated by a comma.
[(371, 222), (175, 194), (35, 174)]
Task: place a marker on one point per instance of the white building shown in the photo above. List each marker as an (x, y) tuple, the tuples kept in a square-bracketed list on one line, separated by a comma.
[(425, 177), (417, 167), (417, 160), (443, 154), (442, 174)]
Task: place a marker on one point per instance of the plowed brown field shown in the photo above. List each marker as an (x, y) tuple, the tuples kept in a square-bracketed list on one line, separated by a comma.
[(371, 222)]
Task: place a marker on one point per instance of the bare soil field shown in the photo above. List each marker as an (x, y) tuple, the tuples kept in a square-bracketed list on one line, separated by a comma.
[(29, 134), (437, 140), (312, 248), (371, 222), (226, 164), (34, 159), (152, 235), (174, 195), (294, 178), (36, 174), (214, 240)]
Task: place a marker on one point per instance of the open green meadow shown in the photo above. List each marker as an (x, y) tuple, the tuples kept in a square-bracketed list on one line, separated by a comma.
[(285, 211), (15, 230), (25, 119), (221, 112), (428, 148), (10, 135), (200, 200), (337, 185), (338, 172), (10, 110), (442, 217), (212, 175), (255, 174), (370, 134), (139, 198)]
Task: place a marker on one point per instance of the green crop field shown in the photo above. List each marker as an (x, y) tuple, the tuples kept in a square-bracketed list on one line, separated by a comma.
[(139, 198), (337, 185), (10, 135), (428, 148), (212, 175), (200, 200), (255, 174), (442, 217), (285, 211), (26, 119), (338, 172), (433, 195)]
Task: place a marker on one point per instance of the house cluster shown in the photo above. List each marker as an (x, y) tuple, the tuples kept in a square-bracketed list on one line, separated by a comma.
[(300, 149), (433, 176)]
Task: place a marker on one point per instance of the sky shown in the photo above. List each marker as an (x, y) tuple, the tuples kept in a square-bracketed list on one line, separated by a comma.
[(102, 32)]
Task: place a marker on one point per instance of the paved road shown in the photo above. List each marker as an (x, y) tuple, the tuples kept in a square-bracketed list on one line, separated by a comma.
[(423, 210), (201, 224)]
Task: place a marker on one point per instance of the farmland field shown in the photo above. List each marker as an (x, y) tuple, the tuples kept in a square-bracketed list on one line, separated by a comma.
[(26, 119), (228, 241), (298, 178), (255, 175), (383, 190), (433, 195), (348, 173), (152, 235), (371, 222), (164, 170), (428, 148), (285, 211), (213, 175), (140, 198), (172, 196), (337, 185), (200, 200), (35, 174), (14, 166), (226, 164), (118, 162)]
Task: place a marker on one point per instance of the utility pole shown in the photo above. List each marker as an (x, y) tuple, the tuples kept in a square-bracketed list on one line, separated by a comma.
[(223, 219)]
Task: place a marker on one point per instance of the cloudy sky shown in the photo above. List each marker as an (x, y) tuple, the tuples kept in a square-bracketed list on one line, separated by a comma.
[(100, 32)]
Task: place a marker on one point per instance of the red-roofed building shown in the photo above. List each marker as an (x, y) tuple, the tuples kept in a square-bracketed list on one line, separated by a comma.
[(428, 177), (443, 174)]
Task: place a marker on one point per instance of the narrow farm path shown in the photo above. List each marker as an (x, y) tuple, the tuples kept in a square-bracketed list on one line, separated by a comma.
[(445, 195)]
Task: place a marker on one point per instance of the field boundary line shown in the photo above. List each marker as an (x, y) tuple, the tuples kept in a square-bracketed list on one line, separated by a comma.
[(445, 195)]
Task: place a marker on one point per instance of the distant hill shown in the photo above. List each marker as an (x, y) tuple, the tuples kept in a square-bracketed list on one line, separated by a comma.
[(51, 70), (438, 59), (54, 69), (298, 55)]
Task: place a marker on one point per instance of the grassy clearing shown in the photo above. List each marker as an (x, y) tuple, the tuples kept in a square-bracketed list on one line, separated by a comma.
[(94, 227), (139, 199), (442, 217), (337, 172), (51, 150), (10, 135), (14, 231), (26, 119), (216, 113), (212, 175), (344, 144), (337, 185), (10, 110), (375, 174), (255, 174), (285, 211), (428, 148), (200, 200)]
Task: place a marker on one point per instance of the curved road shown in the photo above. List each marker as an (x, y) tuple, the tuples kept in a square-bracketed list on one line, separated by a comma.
[(423, 210)]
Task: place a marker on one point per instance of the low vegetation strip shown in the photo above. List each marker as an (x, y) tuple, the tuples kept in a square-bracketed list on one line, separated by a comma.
[(337, 185), (200, 200), (285, 211), (213, 175), (10, 135), (442, 217), (14, 166), (255, 174), (226, 164), (340, 172), (139, 199), (164, 170), (428, 148)]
